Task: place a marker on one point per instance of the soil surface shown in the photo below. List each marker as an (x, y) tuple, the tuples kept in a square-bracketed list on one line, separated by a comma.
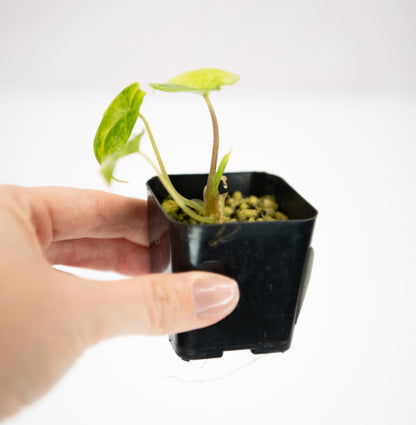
[(236, 208)]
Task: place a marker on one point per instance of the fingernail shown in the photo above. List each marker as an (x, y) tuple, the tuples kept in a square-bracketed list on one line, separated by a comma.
[(213, 295)]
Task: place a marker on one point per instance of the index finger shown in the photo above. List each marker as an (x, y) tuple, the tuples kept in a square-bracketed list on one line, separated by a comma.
[(67, 213)]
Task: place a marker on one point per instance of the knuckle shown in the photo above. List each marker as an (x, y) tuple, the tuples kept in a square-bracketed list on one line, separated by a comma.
[(101, 207), (162, 304)]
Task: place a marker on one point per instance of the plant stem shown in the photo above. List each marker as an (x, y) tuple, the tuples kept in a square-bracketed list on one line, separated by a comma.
[(211, 200), (152, 141), (178, 198), (195, 211)]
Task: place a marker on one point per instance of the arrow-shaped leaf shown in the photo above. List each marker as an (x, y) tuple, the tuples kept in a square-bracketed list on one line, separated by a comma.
[(118, 122), (200, 81)]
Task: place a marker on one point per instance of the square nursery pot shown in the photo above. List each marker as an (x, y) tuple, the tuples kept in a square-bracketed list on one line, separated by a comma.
[(270, 260)]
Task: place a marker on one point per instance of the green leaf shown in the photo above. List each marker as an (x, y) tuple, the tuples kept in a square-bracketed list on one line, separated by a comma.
[(109, 162), (200, 81), (219, 173), (118, 122)]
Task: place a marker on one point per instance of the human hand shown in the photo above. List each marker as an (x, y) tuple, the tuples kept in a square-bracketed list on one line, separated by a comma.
[(49, 318)]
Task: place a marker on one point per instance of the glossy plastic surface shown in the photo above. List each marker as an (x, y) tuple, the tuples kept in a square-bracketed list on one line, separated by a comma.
[(270, 261)]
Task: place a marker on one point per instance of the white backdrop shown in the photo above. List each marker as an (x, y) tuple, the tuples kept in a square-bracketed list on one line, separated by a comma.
[(327, 100), (272, 41)]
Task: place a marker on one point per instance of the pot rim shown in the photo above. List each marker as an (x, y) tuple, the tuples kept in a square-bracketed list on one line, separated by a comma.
[(235, 223)]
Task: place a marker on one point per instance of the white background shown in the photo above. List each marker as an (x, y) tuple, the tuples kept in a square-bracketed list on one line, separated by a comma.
[(327, 100)]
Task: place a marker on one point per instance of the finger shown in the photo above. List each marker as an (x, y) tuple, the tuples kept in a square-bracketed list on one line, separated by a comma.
[(117, 255), (67, 213), (158, 304)]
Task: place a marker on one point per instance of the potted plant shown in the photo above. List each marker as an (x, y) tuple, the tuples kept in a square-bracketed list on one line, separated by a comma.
[(250, 226)]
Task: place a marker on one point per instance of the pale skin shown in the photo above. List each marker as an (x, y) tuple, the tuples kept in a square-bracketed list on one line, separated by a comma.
[(48, 318)]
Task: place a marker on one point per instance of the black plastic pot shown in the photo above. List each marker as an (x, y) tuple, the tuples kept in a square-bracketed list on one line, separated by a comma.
[(270, 260)]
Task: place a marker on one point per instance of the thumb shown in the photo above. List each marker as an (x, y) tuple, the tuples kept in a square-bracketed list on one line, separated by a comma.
[(157, 304)]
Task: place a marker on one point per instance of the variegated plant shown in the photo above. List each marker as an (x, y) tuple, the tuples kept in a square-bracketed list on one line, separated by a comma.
[(112, 140)]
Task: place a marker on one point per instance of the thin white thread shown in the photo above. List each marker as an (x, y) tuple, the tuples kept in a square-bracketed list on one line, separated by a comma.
[(204, 363), (227, 375)]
